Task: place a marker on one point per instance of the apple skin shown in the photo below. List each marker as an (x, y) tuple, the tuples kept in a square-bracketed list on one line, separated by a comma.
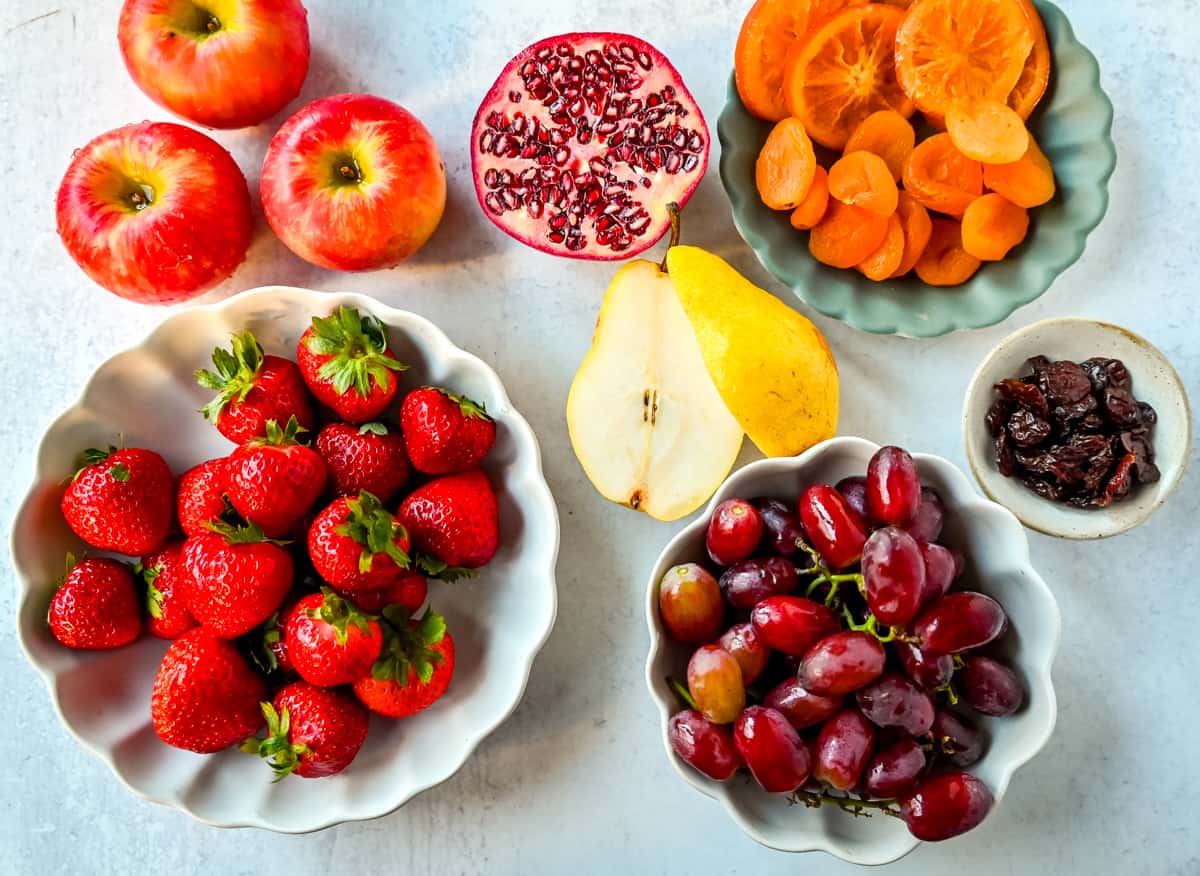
[(249, 68), (192, 234), (353, 183)]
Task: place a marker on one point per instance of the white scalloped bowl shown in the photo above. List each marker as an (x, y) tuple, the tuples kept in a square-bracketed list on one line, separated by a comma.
[(500, 620), (997, 552)]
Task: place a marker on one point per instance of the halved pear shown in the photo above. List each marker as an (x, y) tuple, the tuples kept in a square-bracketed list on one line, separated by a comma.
[(646, 421)]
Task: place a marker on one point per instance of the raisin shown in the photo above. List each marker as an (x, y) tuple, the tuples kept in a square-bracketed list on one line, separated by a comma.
[(1106, 372), (1006, 461), (997, 415), (1065, 415), (1121, 482), (1065, 382), (1024, 394), (1120, 407), (1027, 429), (1148, 415)]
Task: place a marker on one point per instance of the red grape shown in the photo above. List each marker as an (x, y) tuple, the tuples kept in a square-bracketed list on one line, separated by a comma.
[(959, 622), (747, 649), (715, 683), (893, 487), (945, 805), (776, 755), (733, 532), (939, 572), (689, 600), (895, 770), (928, 670), (792, 624), (931, 514), (801, 707), (960, 563), (782, 533), (990, 687), (833, 527), (894, 701), (854, 491), (842, 663), (843, 749), (956, 740), (894, 575), (703, 745), (749, 583)]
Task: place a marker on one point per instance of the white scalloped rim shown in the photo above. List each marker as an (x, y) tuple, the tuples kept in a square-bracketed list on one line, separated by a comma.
[(499, 620), (998, 563)]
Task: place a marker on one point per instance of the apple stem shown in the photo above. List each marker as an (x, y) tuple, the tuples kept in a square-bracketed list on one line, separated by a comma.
[(673, 210)]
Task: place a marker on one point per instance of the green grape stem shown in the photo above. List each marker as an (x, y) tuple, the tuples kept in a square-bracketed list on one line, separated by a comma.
[(871, 625), (857, 808)]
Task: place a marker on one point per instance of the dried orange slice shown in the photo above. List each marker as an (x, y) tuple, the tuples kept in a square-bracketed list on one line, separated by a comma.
[(988, 131), (846, 71), (1031, 87), (952, 52)]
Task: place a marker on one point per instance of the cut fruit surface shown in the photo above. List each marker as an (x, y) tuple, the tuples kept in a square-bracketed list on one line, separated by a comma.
[(1035, 77), (646, 421)]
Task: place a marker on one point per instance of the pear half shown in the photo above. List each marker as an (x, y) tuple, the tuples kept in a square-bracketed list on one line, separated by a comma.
[(645, 419)]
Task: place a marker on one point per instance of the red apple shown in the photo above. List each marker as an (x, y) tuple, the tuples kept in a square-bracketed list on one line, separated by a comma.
[(353, 183), (219, 63), (155, 212)]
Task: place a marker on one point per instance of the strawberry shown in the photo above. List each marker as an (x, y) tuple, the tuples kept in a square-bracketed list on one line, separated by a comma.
[(166, 592), (270, 652), (236, 578), (95, 607), (369, 457), (121, 500), (445, 433), (414, 669), (455, 519), (346, 363), (274, 480), (329, 641), (355, 544), (201, 496), (408, 591), (310, 732), (253, 388), (206, 697)]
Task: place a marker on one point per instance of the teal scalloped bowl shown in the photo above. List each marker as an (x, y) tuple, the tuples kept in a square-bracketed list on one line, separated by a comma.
[(1073, 125)]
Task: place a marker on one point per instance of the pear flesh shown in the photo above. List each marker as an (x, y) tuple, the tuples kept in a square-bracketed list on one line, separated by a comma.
[(645, 419)]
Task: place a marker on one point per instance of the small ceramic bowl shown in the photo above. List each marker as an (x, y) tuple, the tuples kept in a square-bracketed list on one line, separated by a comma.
[(499, 620), (1073, 125), (997, 552), (1154, 381)]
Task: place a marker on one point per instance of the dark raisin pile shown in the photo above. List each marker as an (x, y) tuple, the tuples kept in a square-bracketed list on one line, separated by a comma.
[(1073, 432)]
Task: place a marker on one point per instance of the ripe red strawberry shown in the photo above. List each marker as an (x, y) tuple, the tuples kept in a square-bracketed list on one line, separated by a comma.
[(121, 500), (166, 592), (270, 652), (201, 496), (274, 480), (206, 697), (346, 363), (369, 457), (329, 641), (236, 578), (310, 732), (455, 519), (95, 607), (408, 591), (414, 669), (445, 433), (253, 388), (356, 544)]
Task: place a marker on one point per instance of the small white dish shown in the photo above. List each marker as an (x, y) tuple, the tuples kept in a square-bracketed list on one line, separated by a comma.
[(499, 620), (1155, 381), (997, 552)]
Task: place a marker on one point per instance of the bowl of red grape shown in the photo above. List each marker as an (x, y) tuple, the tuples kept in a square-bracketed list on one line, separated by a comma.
[(856, 630)]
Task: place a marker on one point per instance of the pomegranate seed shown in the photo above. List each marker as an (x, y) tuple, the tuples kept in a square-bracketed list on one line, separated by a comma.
[(679, 138), (544, 52), (644, 60), (493, 203), (674, 162), (565, 49), (598, 165), (637, 226), (514, 96), (506, 178), (544, 158), (495, 120), (585, 136), (575, 64), (593, 57), (653, 100), (529, 150), (556, 236), (566, 183), (669, 92), (485, 141), (518, 124), (529, 175), (633, 107), (695, 142), (491, 179), (574, 243), (510, 199), (612, 52), (561, 156), (689, 163), (558, 220), (645, 183), (605, 128), (633, 81), (528, 68), (534, 208)]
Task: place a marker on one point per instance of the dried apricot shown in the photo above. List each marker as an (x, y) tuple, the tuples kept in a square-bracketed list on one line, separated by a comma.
[(945, 262), (959, 51), (917, 228), (847, 235), (786, 166), (992, 226), (988, 131), (1031, 87), (889, 135), (864, 180), (812, 209), (1027, 183), (846, 71), (885, 261), (941, 177)]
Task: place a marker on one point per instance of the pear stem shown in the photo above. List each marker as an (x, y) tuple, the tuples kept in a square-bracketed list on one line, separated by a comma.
[(673, 209)]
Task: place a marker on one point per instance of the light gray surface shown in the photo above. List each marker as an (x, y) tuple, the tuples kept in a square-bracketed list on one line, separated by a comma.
[(577, 780)]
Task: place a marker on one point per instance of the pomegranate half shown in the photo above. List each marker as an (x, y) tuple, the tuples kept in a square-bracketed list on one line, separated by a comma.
[(583, 142)]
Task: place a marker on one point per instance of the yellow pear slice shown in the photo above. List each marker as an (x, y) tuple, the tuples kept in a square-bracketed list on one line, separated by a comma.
[(770, 364), (646, 421)]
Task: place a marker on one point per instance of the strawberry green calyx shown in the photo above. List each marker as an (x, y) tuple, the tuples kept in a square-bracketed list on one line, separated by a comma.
[(339, 613), (262, 645), (372, 526), (471, 409), (244, 533), (280, 753), (376, 428), (96, 456), (408, 646), (288, 436), (357, 344), (154, 596), (432, 567), (235, 373)]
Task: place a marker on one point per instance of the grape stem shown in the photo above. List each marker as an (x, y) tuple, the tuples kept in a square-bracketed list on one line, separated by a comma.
[(857, 808), (834, 582), (871, 625), (681, 691)]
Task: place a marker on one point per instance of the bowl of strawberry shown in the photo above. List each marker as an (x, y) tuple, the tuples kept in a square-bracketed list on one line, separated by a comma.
[(292, 534), (856, 630)]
